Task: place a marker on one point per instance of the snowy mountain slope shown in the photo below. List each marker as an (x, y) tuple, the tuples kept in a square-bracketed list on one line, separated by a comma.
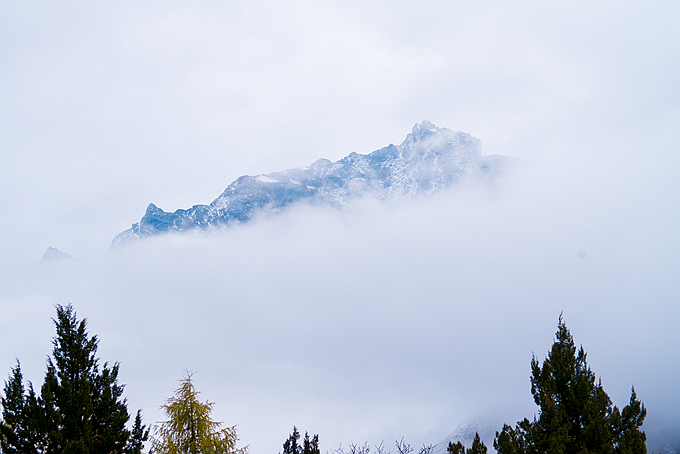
[(428, 160)]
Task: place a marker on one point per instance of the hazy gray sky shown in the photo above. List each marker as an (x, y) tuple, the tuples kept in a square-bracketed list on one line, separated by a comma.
[(403, 320)]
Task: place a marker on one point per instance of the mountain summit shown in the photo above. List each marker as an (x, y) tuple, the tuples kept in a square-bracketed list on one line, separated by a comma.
[(428, 160), (53, 255)]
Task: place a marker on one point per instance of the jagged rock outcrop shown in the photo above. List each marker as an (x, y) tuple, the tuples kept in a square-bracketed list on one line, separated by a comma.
[(428, 160)]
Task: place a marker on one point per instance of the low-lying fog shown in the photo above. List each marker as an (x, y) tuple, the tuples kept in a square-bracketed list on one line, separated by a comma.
[(405, 319)]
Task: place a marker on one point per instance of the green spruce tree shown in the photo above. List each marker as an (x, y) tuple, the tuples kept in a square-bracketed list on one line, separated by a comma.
[(478, 447), (138, 435), (291, 446), (456, 448), (20, 431), (628, 438), (575, 413), (80, 408), (311, 446), (308, 446)]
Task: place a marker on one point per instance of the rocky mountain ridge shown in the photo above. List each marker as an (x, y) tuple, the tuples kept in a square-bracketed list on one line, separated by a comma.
[(429, 160)]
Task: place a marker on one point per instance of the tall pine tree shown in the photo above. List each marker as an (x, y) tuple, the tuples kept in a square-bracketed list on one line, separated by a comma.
[(478, 447), (575, 413), (291, 445), (309, 445), (80, 408), (21, 428)]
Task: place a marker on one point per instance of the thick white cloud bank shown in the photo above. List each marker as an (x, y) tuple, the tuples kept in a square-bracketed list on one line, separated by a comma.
[(402, 320), (399, 320)]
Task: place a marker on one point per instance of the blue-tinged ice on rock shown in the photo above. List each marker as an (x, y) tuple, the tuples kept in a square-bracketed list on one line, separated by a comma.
[(429, 160)]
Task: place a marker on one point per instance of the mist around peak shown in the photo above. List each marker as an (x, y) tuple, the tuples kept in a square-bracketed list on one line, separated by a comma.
[(400, 317), (408, 318), (429, 160)]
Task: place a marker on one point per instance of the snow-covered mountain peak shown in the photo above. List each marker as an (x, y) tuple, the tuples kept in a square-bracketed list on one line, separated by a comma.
[(428, 160), (152, 209), (424, 129), (431, 146)]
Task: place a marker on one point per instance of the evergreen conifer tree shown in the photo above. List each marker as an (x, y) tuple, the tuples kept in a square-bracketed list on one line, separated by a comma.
[(309, 445), (291, 446), (80, 408), (138, 435), (575, 414), (20, 431), (628, 438), (189, 428), (478, 447)]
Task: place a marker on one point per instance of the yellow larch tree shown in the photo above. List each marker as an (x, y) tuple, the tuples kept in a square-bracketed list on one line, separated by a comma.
[(189, 428)]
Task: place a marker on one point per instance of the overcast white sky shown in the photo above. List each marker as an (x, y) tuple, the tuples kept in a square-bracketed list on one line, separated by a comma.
[(400, 321)]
